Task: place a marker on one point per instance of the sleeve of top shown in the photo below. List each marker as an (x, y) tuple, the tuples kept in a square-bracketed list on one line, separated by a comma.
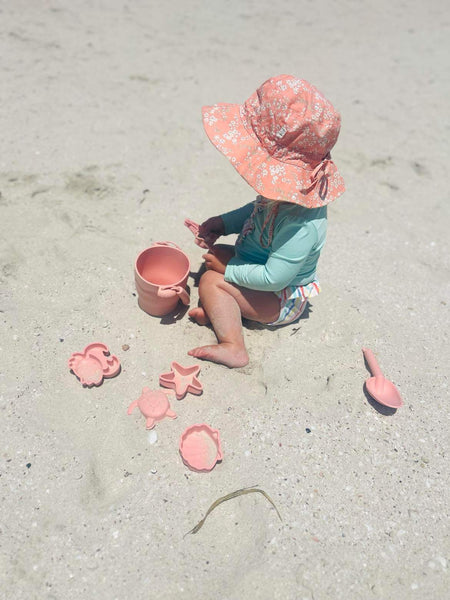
[(235, 219), (290, 248)]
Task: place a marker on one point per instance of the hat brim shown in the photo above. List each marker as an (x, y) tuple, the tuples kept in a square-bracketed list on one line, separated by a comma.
[(272, 178)]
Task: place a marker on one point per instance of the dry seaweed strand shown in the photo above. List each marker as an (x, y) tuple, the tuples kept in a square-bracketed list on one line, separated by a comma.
[(249, 490)]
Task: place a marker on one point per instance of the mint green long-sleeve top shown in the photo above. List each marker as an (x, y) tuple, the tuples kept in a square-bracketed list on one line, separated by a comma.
[(291, 257)]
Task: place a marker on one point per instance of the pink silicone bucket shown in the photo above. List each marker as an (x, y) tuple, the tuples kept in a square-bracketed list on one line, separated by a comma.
[(161, 274)]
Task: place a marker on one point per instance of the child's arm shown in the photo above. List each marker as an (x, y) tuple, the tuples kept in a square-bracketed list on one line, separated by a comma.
[(235, 219), (230, 222), (289, 250), (212, 228)]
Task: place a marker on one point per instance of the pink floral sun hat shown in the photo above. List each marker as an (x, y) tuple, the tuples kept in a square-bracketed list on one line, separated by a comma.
[(279, 141)]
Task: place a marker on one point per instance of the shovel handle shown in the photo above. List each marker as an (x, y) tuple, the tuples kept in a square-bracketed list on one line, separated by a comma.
[(372, 362), (192, 226)]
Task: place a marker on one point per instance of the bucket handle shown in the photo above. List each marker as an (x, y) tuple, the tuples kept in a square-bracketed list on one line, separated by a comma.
[(167, 291), (170, 244)]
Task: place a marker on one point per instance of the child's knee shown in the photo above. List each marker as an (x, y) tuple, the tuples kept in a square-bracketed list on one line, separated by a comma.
[(208, 280)]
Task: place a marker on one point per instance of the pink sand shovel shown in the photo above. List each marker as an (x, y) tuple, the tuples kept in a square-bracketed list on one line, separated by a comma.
[(380, 388)]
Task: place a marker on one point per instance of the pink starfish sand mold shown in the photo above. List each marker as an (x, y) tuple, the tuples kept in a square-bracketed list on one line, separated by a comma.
[(94, 364), (154, 405), (182, 380)]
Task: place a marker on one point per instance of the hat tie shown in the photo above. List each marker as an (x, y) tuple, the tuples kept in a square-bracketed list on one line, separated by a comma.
[(319, 170)]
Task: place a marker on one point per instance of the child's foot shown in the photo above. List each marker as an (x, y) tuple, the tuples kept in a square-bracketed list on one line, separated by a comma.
[(199, 316), (225, 354)]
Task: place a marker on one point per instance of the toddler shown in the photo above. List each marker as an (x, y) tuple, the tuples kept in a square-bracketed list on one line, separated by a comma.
[(279, 141)]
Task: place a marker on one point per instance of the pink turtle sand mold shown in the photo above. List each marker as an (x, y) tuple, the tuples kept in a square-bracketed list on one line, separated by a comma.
[(182, 380), (154, 405), (94, 364), (380, 388), (200, 448)]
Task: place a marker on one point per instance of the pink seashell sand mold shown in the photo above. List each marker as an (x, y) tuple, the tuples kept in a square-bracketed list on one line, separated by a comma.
[(94, 364), (154, 405), (200, 447)]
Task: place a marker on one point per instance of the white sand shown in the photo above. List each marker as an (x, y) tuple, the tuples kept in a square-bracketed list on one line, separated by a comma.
[(102, 153)]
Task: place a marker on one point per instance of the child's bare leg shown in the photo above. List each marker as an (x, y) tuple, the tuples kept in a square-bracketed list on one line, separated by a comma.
[(225, 303), (198, 314), (225, 316)]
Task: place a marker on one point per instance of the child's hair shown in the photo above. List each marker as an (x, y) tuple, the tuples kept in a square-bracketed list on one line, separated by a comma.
[(268, 202), (273, 207)]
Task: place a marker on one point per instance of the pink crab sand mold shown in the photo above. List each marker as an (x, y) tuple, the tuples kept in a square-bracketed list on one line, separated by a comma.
[(94, 364), (200, 448), (161, 274), (154, 405), (182, 380), (381, 389)]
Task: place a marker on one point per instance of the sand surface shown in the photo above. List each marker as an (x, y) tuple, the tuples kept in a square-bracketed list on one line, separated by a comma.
[(102, 153)]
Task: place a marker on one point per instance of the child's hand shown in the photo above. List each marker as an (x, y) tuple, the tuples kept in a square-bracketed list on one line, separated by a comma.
[(211, 230), (218, 258)]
